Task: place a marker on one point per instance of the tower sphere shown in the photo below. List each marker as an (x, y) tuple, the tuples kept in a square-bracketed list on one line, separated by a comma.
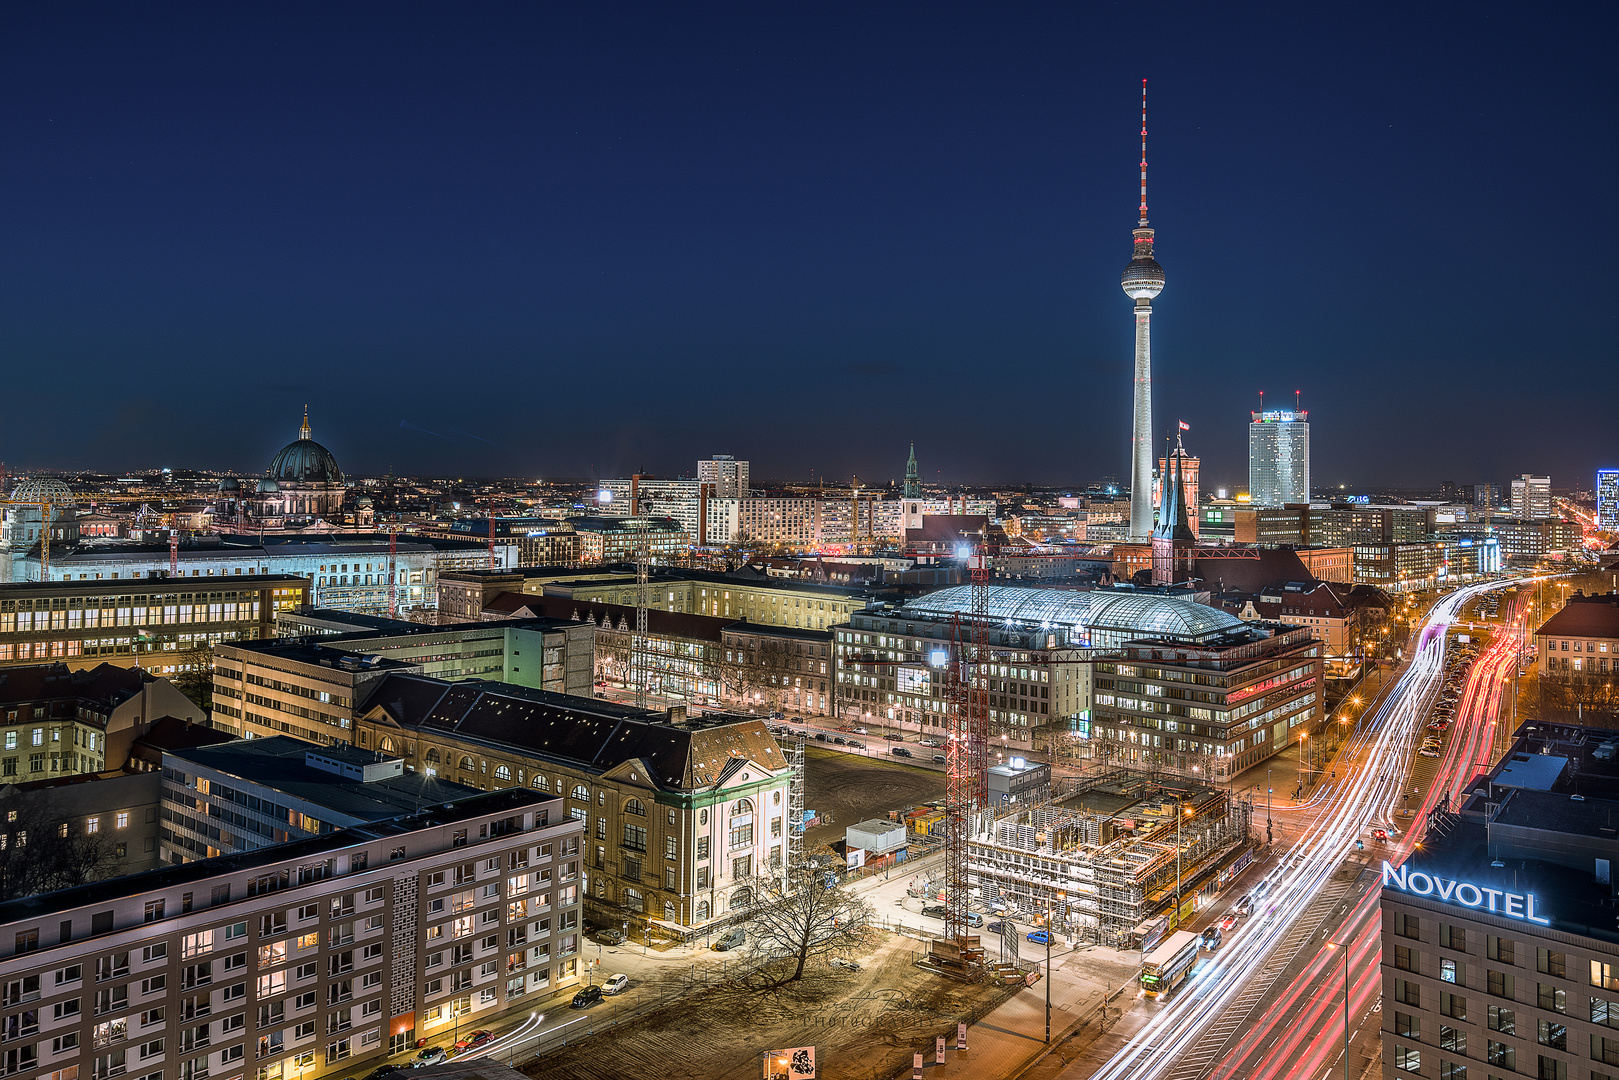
[(1143, 279)]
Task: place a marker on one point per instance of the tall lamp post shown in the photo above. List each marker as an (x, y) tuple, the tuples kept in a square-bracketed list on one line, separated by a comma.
[(1344, 945), (1304, 745), (1270, 836)]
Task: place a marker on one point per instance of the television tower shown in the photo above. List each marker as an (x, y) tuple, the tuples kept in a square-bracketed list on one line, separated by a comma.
[(1143, 280)]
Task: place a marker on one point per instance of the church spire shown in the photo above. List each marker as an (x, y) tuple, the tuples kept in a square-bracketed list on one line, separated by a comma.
[(913, 478), (304, 432)]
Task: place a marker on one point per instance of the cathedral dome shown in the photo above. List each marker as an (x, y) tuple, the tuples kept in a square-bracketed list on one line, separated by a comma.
[(305, 462), (230, 483), (267, 487)]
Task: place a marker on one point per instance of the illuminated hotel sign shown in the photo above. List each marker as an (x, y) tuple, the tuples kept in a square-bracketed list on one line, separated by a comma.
[(1465, 893)]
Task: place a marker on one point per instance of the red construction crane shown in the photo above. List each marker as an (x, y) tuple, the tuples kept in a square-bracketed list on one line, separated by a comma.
[(393, 567)]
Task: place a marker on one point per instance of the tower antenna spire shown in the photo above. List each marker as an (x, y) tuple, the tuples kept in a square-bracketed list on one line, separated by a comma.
[(1143, 206)]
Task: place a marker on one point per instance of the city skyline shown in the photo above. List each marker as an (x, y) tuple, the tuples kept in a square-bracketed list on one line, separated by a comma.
[(708, 212)]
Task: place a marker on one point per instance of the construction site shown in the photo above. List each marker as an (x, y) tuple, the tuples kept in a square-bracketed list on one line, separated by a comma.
[(1107, 858)]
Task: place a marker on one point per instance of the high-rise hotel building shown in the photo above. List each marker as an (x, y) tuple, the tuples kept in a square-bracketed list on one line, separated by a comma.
[(1500, 945), (1279, 457)]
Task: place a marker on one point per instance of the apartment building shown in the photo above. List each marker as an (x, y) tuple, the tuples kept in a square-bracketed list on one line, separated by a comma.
[(60, 721), (308, 959), (681, 814), (231, 797), (1499, 951), (1579, 644), (146, 622)]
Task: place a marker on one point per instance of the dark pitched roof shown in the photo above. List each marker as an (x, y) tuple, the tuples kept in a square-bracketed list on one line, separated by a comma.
[(670, 623), (172, 733), (587, 733), (1250, 575), (103, 684), (1585, 616)]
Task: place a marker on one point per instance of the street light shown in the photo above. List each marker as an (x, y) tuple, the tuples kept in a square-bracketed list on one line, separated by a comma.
[(1345, 947)]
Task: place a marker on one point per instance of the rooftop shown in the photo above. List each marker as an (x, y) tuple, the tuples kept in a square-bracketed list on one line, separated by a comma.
[(279, 763), (1595, 616), (1121, 610), (505, 801), (13, 590), (103, 684)]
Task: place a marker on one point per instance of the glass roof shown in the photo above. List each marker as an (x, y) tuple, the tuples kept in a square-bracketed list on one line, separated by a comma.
[(1103, 609)]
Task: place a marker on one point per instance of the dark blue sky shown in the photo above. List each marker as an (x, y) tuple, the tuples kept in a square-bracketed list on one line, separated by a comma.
[(596, 237)]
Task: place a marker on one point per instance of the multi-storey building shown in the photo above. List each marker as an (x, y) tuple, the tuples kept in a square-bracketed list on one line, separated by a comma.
[(60, 721), (1531, 496), (1331, 526), (236, 796), (1608, 500), (616, 540), (1529, 541), (306, 959), (1211, 706), (681, 814), (1432, 564), (779, 667), (299, 688), (1279, 457), (347, 573), (1499, 954), (148, 623), (1580, 643), (728, 476)]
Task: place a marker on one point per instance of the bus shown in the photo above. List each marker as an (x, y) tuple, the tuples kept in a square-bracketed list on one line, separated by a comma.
[(1163, 969)]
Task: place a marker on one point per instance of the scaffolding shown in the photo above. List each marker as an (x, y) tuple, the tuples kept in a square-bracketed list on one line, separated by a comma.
[(793, 749), (1104, 873)]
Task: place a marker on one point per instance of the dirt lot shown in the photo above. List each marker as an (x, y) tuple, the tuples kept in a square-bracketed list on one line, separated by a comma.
[(864, 1024), (854, 788)]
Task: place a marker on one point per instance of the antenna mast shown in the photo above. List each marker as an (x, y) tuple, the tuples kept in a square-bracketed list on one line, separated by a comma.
[(1143, 152)]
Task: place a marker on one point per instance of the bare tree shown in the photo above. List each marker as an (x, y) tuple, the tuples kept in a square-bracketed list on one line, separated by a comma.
[(41, 854), (194, 675), (799, 914)]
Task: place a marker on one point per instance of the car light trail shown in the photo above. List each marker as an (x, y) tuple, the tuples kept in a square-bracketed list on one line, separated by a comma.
[(1370, 792)]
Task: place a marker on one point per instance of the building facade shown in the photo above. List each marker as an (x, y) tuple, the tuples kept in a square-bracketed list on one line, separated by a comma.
[(1531, 496), (60, 721), (146, 623), (1499, 955), (1279, 457), (618, 540), (1579, 644), (1211, 709), (1608, 500), (681, 815), (727, 475), (307, 959)]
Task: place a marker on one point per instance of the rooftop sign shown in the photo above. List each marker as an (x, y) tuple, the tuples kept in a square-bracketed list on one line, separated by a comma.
[(1465, 893)]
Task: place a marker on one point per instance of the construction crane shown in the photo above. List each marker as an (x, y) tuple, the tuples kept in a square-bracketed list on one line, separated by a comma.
[(491, 534), (48, 496), (174, 552), (643, 573), (393, 567)]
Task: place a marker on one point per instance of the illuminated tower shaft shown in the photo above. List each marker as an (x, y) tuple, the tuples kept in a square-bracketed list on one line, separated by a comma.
[(1143, 279)]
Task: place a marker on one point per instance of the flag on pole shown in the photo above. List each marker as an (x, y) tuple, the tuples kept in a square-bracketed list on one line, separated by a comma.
[(1185, 426)]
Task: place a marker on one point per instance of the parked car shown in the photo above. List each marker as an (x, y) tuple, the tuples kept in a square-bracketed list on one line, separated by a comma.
[(1212, 937), (1428, 751), (855, 744), (847, 965), (860, 731), (891, 737), (820, 736), (1039, 937), (929, 742), (974, 919), (615, 984), (778, 716), (608, 936), (938, 759), (840, 740), (730, 940), (996, 928), (1228, 923), (383, 1070), (1244, 907), (936, 911), (586, 997), (900, 751), (431, 1056)]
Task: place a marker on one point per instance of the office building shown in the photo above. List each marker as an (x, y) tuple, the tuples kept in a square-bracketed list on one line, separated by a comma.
[(1431, 564), (1499, 952), (151, 623), (308, 687), (1608, 500), (1532, 496), (236, 796), (1579, 644), (309, 959), (1260, 689), (344, 572), (727, 475), (1488, 496), (618, 540), (681, 813), (1279, 457)]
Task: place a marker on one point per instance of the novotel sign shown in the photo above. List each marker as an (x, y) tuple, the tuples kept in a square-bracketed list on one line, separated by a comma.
[(1497, 901)]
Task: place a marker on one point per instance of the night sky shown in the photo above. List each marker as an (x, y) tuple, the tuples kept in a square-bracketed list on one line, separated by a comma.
[(557, 240)]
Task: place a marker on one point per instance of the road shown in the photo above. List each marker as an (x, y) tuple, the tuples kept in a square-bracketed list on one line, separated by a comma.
[(1185, 1036), (1302, 1032)]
